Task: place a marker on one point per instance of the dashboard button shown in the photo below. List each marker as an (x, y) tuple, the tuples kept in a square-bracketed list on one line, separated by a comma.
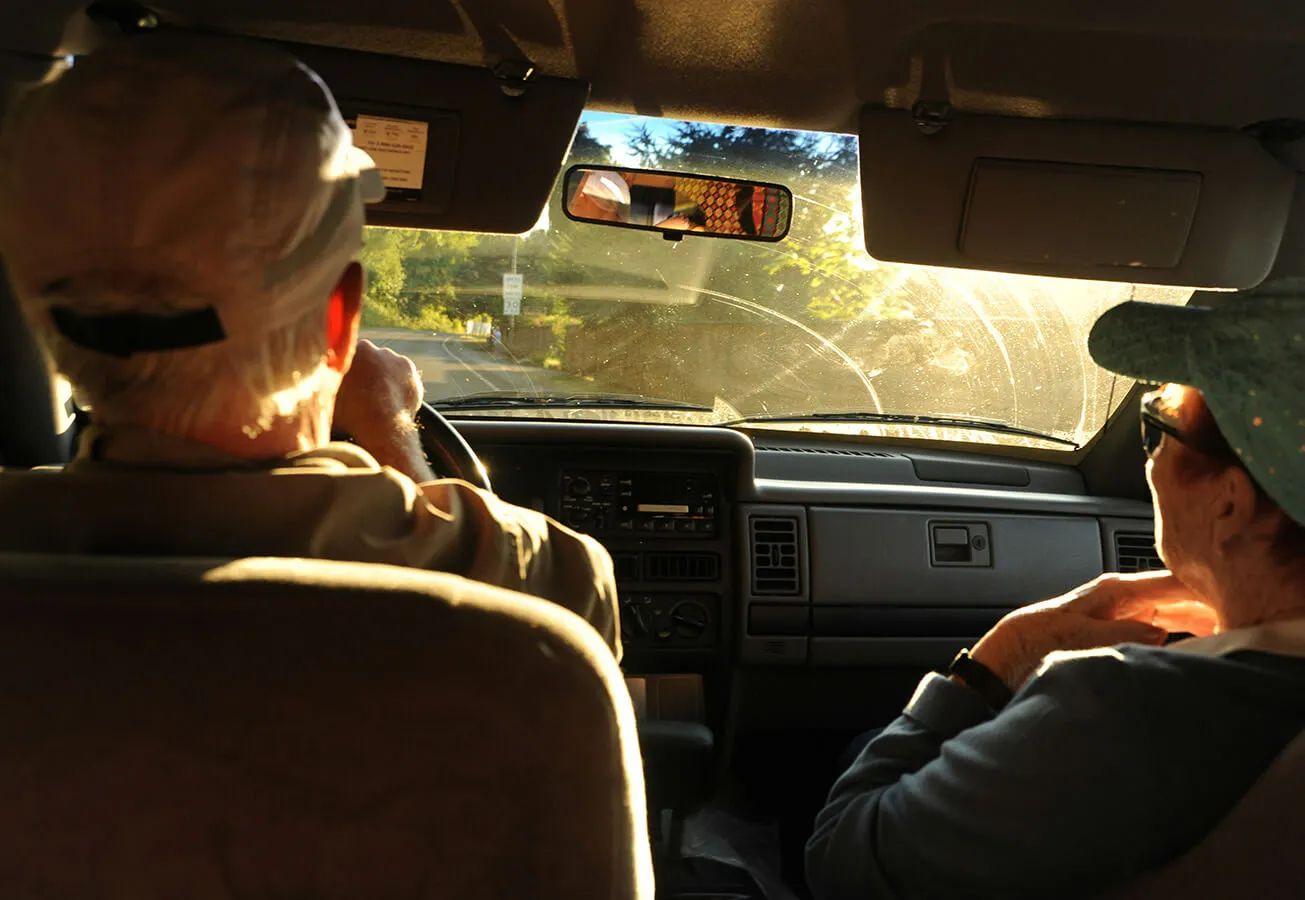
[(665, 524)]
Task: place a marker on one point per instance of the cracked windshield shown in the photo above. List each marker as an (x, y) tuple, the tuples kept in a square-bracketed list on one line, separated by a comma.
[(810, 333)]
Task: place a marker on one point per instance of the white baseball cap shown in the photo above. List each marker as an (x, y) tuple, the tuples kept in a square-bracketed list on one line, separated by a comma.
[(213, 175)]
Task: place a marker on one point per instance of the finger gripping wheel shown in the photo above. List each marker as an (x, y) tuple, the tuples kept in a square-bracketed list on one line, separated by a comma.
[(447, 451)]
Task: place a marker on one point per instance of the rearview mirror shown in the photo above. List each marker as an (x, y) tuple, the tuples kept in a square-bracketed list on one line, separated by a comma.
[(676, 204)]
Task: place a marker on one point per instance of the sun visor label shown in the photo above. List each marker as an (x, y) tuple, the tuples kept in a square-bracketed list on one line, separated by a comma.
[(398, 147)]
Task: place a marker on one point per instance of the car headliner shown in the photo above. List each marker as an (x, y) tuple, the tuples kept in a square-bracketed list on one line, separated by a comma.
[(813, 63)]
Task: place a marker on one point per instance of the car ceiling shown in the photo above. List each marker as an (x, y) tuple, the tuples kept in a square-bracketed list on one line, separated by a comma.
[(813, 63)]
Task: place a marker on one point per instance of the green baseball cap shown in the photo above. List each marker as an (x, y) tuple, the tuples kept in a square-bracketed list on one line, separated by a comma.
[(1245, 353)]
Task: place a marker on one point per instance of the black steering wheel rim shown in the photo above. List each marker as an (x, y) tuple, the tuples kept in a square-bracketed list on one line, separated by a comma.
[(447, 450)]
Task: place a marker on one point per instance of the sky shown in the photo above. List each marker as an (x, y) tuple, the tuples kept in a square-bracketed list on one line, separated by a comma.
[(612, 128)]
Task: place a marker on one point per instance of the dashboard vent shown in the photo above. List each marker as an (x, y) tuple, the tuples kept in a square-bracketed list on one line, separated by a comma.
[(830, 451), (775, 569), (682, 567), (1135, 551), (626, 566)]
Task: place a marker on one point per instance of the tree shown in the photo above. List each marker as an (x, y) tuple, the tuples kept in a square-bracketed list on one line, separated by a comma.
[(412, 277), (843, 282), (837, 281), (809, 163), (588, 150)]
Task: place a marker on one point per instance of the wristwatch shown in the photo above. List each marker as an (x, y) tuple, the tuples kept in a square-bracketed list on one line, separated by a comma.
[(980, 679)]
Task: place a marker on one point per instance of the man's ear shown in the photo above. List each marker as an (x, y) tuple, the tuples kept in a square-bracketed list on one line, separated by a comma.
[(1238, 513), (343, 316)]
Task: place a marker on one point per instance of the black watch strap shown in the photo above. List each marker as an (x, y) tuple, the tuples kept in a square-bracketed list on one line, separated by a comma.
[(980, 679)]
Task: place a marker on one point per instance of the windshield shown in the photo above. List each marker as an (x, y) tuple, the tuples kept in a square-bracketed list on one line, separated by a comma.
[(608, 324)]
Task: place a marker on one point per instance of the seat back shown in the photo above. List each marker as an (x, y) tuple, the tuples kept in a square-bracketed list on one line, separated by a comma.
[(1258, 850), (302, 728)]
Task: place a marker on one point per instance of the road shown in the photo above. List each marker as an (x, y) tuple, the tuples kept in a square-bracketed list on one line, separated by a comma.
[(454, 365)]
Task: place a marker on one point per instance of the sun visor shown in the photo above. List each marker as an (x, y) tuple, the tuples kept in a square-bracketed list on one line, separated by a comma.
[(1108, 202), (458, 147)]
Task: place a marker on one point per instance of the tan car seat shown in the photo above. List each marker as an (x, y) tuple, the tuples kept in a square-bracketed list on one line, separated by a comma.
[(269, 728)]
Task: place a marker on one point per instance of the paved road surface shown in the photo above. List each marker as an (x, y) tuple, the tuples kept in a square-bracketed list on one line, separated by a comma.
[(453, 365)]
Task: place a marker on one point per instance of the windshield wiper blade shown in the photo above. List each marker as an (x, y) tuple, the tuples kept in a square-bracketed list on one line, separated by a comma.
[(511, 399), (908, 419)]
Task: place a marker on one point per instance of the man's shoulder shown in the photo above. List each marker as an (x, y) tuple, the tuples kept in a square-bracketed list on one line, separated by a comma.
[(1135, 674), (1122, 664), (335, 456)]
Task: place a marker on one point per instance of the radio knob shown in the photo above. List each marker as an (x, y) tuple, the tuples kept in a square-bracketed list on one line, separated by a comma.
[(634, 620), (690, 620), (580, 486)]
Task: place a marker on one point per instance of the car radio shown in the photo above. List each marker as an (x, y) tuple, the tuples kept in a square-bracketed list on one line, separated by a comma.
[(668, 503)]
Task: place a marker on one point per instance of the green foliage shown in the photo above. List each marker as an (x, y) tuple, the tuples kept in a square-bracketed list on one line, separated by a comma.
[(557, 319), (412, 278), (830, 277), (804, 161), (843, 283), (438, 281)]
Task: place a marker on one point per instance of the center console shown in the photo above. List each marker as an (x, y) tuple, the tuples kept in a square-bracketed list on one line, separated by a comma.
[(664, 502), (669, 544)]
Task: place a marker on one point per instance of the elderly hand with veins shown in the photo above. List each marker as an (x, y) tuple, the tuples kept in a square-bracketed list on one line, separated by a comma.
[(1113, 609)]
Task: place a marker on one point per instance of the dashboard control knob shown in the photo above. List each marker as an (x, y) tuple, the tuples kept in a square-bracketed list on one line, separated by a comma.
[(580, 486), (634, 619), (690, 620)]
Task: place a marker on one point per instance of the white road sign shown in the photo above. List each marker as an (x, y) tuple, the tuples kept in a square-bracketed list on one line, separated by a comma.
[(512, 285)]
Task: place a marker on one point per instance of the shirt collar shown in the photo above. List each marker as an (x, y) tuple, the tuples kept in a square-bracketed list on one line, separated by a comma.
[(1285, 637), (131, 446)]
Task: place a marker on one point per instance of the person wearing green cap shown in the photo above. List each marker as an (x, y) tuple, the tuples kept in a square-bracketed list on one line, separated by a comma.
[(1068, 752)]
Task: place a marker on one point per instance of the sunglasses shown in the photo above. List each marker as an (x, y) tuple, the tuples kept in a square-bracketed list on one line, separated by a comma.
[(1154, 429)]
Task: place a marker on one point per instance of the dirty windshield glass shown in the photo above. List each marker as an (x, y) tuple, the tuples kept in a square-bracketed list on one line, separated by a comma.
[(583, 321)]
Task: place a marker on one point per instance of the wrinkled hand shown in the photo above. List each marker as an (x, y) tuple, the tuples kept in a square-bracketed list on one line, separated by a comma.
[(1112, 609), (380, 387)]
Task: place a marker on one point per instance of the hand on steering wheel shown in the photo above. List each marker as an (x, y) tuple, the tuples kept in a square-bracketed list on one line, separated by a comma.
[(447, 451), (382, 386)]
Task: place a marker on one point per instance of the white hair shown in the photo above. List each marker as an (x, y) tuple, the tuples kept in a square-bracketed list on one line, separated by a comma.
[(247, 382)]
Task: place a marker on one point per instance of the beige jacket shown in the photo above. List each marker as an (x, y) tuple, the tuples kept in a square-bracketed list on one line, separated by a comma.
[(134, 491)]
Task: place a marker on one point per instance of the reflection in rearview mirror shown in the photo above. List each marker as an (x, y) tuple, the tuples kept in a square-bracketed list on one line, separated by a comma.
[(676, 204)]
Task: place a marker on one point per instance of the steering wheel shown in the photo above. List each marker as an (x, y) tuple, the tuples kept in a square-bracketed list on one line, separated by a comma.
[(447, 451)]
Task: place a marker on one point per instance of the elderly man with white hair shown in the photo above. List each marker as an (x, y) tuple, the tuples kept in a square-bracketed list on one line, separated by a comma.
[(181, 219)]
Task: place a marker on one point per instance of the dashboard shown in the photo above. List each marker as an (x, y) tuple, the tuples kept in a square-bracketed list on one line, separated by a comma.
[(788, 554), (662, 501)]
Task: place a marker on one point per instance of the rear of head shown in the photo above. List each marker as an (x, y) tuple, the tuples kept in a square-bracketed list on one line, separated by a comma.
[(180, 217)]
